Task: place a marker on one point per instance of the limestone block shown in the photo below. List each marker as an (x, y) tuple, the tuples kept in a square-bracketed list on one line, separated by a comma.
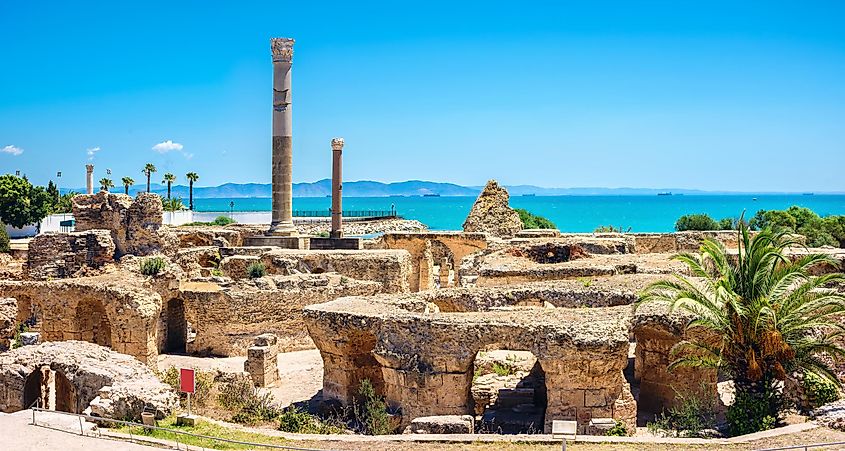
[(58, 255), (8, 321), (442, 424), (30, 338)]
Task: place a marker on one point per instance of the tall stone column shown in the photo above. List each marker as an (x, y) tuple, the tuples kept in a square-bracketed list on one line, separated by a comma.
[(337, 188), (89, 178), (282, 219)]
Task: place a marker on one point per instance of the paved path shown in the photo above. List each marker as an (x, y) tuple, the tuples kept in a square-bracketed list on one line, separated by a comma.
[(16, 433)]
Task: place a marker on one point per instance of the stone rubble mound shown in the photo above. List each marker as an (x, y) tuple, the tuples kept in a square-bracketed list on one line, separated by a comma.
[(492, 214)]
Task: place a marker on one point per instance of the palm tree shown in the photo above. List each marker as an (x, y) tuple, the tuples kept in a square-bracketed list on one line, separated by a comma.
[(127, 182), (763, 315), (169, 179), (192, 177), (149, 168), (106, 183)]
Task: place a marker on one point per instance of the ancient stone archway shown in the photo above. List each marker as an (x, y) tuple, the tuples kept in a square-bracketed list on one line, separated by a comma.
[(177, 327), (92, 323), (32, 393)]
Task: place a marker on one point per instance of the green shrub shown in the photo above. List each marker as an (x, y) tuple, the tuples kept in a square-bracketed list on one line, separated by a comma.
[(223, 220), (152, 266), (296, 420), (216, 272), (16, 340), (820, 390), (750, 412), (218, 221), (371, 411), (618, 430), (21, 203), (249, 404), (696, 222), (502, 370), (691, 417), (611, 229), (818, 231), (4, 239), (323, 234), (532, 221), (256, 270)]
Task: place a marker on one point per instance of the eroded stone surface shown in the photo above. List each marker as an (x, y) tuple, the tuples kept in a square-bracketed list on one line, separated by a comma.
[(492, 214), (60, 255), (8, 321), (135, 224), (80, 376)]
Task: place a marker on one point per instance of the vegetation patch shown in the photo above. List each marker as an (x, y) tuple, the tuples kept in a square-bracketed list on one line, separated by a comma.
[(818, 231), (204, 428), (703, 222), (218, 221), (5, 245), (152, 266), (256, 270), (532, 221), (371, 411)]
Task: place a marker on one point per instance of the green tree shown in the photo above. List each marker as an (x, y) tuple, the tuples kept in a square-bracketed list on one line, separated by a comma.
[(192, 177), (701, 221), (532, 221), (766, 316), (816, 230), (149, 169), (169, 179), (65, 203), (53, 192), (21, 203), (127, 182), (106, 183)]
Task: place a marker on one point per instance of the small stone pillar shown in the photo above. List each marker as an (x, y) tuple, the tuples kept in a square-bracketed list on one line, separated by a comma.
[(89, 178), (282, 201), (261, 362), (445, 270), (337, 188), (30, 338), (426, 268)]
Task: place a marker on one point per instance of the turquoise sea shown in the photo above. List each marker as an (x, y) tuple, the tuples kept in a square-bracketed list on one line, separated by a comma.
[(569, 213)]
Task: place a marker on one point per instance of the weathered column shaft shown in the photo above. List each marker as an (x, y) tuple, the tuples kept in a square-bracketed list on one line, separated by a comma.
[(282, 217), (89, 178), (337, 188)]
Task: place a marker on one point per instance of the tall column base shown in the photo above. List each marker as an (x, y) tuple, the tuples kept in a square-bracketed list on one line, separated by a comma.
[(282, 229)]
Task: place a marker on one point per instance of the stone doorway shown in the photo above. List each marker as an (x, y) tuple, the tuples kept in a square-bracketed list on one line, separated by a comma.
[(50, 390), (92, 323), (509, 392), (32, 392), (176, 327)]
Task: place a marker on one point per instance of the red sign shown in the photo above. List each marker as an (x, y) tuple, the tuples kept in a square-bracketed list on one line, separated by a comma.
[(186, 380)]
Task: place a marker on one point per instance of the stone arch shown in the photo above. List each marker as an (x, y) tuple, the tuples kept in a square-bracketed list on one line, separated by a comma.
[(92, 323), (176, 326), (32, 392)]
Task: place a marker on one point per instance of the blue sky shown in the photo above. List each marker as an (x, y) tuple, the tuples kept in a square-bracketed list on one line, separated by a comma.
[(712, 95)]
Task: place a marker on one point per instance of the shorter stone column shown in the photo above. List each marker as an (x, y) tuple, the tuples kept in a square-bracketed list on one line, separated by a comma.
[(261, 361), (426, 275), (337, 188), (89, 178), (445, 271)]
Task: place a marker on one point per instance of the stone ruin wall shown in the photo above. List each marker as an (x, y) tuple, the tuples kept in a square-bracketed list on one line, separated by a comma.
[(430, 247), (135, 224), (656, 332), (419, 365), (227, 319), (118, 316), (390, 269), (60, 255)]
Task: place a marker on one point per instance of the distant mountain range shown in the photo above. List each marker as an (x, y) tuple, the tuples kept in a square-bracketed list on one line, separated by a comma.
[(369, 188)]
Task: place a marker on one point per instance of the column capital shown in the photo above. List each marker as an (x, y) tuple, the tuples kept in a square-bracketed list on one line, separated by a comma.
[(337, 143), (282, 49), (89, 167)]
